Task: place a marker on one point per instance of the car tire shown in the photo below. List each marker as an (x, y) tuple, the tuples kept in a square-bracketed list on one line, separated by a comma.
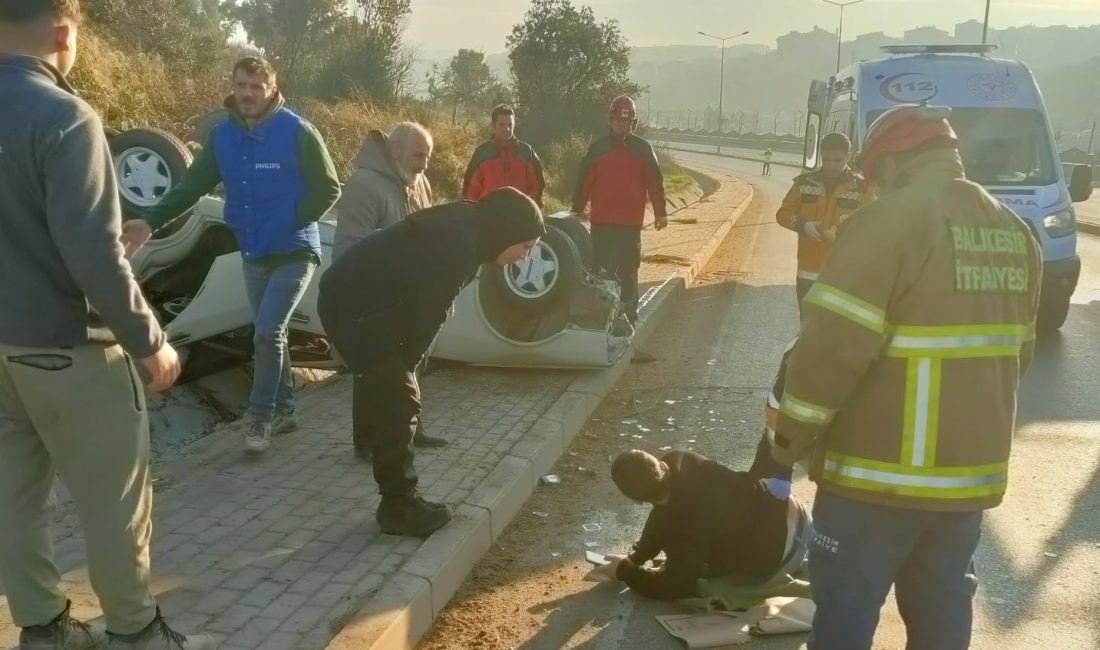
[(1053, 311), (540, 283), (578, 232), (200, 132), (148, 163)]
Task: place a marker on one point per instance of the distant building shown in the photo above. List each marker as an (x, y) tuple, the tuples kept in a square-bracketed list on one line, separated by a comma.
[(969, 32), (927, 36), (869, 46), (807, 44)]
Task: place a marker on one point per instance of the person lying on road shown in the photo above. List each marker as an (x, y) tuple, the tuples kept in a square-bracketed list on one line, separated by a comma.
[(710, 522)]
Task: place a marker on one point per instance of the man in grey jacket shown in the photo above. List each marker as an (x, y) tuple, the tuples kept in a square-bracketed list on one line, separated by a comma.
[(388, 185), (72, 320)]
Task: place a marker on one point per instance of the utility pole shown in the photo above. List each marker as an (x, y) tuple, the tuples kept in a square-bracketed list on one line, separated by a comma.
[(985, 26), (840, 30), (1092, 136), (722, 79)]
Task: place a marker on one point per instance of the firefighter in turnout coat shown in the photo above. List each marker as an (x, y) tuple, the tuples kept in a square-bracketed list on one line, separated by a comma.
[(902, 388)]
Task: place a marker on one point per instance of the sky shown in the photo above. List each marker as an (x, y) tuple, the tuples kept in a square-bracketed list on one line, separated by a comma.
[(439, 27)]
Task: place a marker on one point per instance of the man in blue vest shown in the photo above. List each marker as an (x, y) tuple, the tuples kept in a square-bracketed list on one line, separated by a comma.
[(279, 181)]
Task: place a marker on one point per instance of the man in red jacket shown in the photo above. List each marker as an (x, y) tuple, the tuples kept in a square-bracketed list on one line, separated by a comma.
[(616, 176), (504, 161)]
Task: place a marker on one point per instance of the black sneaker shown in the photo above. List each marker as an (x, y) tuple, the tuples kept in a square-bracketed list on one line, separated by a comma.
[(411, 516), (158, 636), (62, 633)]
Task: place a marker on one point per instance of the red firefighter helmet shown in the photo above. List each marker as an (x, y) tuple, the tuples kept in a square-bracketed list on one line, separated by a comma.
[(623, 107), (904, 128)]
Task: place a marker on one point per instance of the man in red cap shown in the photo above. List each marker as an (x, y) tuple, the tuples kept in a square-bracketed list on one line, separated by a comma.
[(616, 177), (901, 390)]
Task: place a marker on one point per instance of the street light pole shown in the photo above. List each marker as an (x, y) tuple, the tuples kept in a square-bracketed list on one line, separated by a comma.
[(722, 79), (985, 26), (840, 31)]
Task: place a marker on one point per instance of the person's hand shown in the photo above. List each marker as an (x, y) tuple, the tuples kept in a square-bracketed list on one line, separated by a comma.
[(661, 223), (779, 488), (830, 234), (162, 368), (135, 233), (812, 230), (611, 568)]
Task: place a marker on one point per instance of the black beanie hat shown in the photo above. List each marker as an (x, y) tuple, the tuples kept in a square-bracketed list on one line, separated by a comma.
[(506, 217)]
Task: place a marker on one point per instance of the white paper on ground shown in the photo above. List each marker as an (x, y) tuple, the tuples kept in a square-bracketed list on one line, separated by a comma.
[(785, 616), (709, 630)]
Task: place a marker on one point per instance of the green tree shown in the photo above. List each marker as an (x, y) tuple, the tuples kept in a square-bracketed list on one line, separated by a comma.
[(566, 67), (367, 55), (289, 31), (466, 83), (186, 33)]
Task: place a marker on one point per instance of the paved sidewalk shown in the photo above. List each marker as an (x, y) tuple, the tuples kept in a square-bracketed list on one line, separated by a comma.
[(283, 552)]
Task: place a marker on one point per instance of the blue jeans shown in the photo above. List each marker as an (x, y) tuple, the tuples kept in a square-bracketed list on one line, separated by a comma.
[(273, 293), (859, 550)]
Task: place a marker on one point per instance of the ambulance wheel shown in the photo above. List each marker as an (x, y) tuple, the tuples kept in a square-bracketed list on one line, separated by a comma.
[(148, 163), (1052, 312), (545, 279)]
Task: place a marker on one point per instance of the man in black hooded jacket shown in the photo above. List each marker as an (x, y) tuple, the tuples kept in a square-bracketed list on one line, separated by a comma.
[(383, 302)]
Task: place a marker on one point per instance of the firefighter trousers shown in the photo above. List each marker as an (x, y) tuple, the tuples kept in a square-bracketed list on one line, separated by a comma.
[(859, 550)]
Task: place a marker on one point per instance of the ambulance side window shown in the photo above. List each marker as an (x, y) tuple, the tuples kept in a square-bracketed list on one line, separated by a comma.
[(841, 117)]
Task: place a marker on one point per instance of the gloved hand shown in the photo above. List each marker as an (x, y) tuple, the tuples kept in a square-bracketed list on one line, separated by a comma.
[(812, 230), (779, 488)]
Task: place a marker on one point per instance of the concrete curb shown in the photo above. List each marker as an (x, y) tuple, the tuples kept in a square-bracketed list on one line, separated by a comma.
[(403, 610), (1088, 227)]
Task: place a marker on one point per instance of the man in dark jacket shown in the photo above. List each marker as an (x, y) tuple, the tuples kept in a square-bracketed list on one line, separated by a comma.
[(76, 341), (504, 161), (385, 300), (710, 522), (616, 176), (279, 181)]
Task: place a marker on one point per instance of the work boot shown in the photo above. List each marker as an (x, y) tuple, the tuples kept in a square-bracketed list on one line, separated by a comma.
[(257, 438), (424, 441), (62, 633), (158, 636), (411, 515), (284, 423)]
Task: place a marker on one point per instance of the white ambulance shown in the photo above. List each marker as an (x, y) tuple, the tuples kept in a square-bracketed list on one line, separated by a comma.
[(1006, 141)]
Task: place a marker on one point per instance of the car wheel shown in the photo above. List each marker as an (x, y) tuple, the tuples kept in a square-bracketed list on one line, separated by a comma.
[(200, 133), (1053, 311), (576, 230), (148, 163), (537, 284)]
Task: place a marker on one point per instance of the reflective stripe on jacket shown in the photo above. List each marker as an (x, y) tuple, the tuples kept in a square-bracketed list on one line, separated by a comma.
[(810, 200)]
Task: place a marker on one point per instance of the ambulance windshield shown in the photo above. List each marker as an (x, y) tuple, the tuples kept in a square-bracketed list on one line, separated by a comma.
[(1002, 146)]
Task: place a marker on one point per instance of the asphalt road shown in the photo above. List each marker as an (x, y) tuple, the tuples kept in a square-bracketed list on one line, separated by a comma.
[(1039, 560)]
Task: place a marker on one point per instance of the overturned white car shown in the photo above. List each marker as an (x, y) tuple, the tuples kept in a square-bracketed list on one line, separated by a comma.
[(550, 310)]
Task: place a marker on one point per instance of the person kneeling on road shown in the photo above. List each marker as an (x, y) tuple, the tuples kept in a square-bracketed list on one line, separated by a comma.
[(383, 302), (710, 521)]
